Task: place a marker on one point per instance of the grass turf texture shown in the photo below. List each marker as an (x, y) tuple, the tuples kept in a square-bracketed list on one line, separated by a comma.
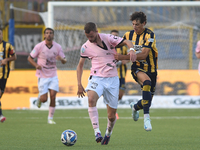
[(173, 129)]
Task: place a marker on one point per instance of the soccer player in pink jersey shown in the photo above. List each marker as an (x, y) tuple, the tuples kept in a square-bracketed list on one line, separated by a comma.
[(103, 80), (198, 53), (47, 52)]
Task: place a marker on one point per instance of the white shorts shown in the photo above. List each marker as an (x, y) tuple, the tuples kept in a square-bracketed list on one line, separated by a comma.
[(108, 87), (44, 84)]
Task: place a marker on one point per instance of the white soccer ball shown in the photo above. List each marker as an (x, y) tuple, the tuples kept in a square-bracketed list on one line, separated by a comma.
[(69, 137)]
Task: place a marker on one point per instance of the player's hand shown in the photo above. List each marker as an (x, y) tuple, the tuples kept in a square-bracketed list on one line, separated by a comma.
[(3, 62), (81, 91), (58, 58), (38, 67), (133, 56)]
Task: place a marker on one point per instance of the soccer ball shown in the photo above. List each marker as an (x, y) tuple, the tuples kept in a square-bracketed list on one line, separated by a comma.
[(69, 137)]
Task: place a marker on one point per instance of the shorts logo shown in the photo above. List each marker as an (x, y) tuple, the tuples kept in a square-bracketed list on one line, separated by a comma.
[(144, 102), (94, 85)]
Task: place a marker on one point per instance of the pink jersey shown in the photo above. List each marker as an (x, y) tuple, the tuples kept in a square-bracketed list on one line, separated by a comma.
[(102, 59), (46, 58), (198, 51)]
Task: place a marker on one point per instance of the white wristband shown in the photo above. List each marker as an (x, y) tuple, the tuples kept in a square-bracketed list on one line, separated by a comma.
[(131, 49)]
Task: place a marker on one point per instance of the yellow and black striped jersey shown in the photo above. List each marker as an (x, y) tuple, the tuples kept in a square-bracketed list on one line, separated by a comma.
[(122, 68), (6, 50), (145, 39)]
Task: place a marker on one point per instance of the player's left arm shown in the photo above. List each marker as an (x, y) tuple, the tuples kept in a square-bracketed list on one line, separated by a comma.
[(143, 55), (63, 60), (12, 57), (61, 56)]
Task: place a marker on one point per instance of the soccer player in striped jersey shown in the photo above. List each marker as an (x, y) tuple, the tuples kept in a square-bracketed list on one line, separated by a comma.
[(47, 52), (121, 68), (104, 80), (144, 70), (7, 54)]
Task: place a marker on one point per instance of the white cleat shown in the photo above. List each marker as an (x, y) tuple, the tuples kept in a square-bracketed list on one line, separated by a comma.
[(2, 118), (147, 124), (50, 121), (38, 103), (135, 114)]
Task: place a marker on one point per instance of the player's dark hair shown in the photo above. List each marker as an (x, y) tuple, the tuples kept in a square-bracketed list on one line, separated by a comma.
[(48, 29), (90, 26), (138, 15), (114, 31), (1, 29)]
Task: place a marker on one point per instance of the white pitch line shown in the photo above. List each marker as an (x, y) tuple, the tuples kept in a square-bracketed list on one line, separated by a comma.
[(155, 118), (172, 117)]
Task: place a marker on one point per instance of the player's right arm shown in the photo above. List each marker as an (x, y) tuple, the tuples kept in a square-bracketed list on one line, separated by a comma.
[(79, 70), (33, 63)]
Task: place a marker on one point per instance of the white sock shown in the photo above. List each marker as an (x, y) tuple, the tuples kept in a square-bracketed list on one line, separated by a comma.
[(108, 133), (146, 115), (96, 130), (50, 118)]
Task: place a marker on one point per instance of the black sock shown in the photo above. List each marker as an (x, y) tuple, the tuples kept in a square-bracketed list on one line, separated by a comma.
[(0, 109)]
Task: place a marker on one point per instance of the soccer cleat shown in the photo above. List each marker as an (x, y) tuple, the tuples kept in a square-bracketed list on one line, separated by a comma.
[(38, 103), (50, 121), (98, 137), (2, 118), (147, 124), (105, 140), (135, 114)]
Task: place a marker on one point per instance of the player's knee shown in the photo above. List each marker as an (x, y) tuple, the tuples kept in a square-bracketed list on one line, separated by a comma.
[(147, 82), (91, 102), (146, 85), (43, 99), (53, 97), (111, 118)]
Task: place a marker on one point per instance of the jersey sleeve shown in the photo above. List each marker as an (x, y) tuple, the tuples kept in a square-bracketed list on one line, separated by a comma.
[(198, 47), (35, 52), (150, 40), (114, 40), (125, 36), (83, 52)]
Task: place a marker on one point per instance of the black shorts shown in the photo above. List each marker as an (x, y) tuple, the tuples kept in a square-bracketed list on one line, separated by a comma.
[(152, 76), (3, 85), (122, 83)]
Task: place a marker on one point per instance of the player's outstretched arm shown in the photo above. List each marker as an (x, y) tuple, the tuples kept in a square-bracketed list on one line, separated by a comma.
[(121, 57)]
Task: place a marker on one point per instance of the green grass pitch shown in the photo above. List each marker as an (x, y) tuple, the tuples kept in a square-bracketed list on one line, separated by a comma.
[(173, 129)]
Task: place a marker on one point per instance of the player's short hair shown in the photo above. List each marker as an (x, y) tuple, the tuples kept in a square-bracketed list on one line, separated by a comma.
[(1, 29), (114, 31), (90, 26), (139, 15), (48, 29)]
